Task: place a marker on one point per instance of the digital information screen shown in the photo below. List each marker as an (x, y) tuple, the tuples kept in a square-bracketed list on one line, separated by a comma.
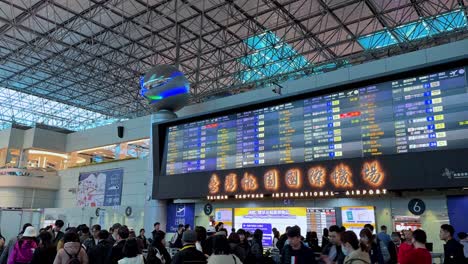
[(265, 219), (320, 218), (355, 217), (423, 113), (224, 215)]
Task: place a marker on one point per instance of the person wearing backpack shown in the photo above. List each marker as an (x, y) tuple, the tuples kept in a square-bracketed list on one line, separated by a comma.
[(72, 251), (24, 248), (157, 252)]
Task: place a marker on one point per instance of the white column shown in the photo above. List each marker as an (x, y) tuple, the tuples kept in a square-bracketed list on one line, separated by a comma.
[(155, 210)]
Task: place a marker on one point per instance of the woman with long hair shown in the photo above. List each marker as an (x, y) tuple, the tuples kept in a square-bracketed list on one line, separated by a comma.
[(312, 241), (373, 248), (201, 238), (157, 252), (276, 236), (71, 247), (236, 248), (355, 251), (131, 252), (45, 252), (256, 250), (325, 238), (219, 226), (222, 252)]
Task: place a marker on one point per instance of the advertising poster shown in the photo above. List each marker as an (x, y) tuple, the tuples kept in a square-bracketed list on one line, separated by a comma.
[(268, 218), (180, 214), (100, 188), (355, 217), (224, 215)]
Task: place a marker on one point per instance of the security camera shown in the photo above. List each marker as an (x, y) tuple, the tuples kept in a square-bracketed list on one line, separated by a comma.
[(276, 90)]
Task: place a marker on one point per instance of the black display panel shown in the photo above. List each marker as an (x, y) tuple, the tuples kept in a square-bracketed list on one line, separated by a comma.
[(422, 113)]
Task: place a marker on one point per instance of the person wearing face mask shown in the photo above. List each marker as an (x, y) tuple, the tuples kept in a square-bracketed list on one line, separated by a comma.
[(354, 250), (419, 254)]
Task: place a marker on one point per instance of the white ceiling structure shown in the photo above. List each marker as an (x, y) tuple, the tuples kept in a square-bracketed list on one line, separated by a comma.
[(90, 54)]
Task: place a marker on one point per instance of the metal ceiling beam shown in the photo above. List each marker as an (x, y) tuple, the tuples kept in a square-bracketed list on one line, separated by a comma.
[(304, 31)]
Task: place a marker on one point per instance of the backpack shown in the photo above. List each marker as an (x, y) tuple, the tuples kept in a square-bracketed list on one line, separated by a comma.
[(159, 256), (73, 259), (384, 251)]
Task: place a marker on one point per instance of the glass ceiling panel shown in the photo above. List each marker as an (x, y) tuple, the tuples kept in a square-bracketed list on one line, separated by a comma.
[(425, 27), (29, 110)]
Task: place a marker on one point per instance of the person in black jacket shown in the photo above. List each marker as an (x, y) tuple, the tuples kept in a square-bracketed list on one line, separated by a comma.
[(157, 250), (453, 250), (282, 240), (46, 251), (99, 254), (256, 249), (188, 253), (93, 239), (296, 252), (56, 232), (325, 239), (117, 250)]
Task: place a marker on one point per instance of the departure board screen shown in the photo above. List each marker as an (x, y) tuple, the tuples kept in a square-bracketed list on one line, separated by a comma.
[(423, 113)]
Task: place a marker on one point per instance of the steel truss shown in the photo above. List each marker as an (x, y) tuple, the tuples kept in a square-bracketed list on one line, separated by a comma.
[(90, 53)]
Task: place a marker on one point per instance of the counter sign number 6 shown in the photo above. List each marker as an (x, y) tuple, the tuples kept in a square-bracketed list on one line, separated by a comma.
[(416, 206)]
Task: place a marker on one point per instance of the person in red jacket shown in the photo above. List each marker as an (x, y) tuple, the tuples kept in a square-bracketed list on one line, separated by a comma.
[(405, 246), (419, 254)]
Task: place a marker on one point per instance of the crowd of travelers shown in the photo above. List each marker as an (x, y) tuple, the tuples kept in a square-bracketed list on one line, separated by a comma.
[(215, 245)]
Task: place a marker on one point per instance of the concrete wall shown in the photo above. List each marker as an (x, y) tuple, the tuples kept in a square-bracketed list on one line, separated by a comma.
[(5, 138), (133, 195), (137, 128), (49, 140), (26, 197), (16, 138)]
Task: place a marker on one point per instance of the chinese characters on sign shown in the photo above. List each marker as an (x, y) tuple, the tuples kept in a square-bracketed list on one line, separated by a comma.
[(213, 186), (293, 179), (230, 184), (271, 180), (372, 173), (316, 178), (341, 176), (249, 182)]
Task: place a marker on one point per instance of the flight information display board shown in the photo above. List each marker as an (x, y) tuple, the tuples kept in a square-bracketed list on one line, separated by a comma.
[(423, 113)]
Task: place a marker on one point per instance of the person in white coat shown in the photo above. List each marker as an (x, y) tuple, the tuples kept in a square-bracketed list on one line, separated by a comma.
[(131, 253), (222, 252)]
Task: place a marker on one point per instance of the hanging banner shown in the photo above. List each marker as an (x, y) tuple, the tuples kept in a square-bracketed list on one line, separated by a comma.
[(180, 214), (100, 188)]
